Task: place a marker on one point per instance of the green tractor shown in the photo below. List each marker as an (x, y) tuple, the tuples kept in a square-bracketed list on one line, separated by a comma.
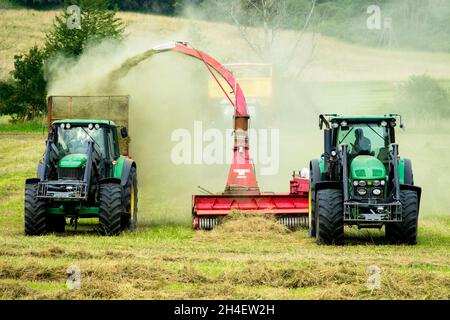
[(82, 175), (360, 180)]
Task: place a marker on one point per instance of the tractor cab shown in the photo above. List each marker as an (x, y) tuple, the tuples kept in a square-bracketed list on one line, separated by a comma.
[(73, 138), (367, 140)]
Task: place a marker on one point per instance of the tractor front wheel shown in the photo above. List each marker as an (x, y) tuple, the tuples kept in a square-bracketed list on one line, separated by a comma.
[(405, 232), (35, 215), (111, 209), (330, 217)]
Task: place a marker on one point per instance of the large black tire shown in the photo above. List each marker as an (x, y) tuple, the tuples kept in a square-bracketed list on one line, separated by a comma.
[(312, 216), (314, 177), (35, 213), (409, 177), (129, 220), (330, 217), (405, 232), (56, 223), (111, 209)]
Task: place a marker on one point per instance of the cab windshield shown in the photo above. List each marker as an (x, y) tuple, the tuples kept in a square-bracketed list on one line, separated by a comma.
[(75, 139), (365, 139)]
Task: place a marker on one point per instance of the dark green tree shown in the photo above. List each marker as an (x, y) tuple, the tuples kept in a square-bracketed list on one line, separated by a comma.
[(71, 33), (23, 97)]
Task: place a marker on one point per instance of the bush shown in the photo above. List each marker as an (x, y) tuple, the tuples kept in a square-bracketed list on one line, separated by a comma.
[(423, 96)]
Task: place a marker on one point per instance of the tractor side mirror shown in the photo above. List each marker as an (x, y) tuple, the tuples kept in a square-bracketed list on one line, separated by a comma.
[(124, 132)]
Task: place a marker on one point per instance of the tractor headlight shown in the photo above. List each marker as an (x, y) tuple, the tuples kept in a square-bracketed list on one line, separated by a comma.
[(90, 126), (376, 192), (67, 125), (361, 191), (61, 126), (355, 183), (362, 183), (333, 153), (335, 125), (383, 182), (376, 183), (344, 123), (383, 123), (97, 126)]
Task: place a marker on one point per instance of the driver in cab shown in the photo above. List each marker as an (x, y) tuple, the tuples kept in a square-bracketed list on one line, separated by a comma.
[(362, 145)]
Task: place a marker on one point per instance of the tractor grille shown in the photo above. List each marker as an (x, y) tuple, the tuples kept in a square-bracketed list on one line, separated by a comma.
[(70, 173), (360, 173), (377, 172)]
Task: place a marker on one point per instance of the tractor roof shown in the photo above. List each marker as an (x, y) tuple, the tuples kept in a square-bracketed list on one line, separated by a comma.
[(363, 118), (85, 121)]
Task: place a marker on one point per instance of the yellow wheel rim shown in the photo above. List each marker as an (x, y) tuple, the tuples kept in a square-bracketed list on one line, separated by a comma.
[(132, 201)]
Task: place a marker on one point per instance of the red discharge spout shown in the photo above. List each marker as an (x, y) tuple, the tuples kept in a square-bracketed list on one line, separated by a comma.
[(241, 176)]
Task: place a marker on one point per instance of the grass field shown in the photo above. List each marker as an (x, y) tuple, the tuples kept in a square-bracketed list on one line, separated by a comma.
[(245, 259)]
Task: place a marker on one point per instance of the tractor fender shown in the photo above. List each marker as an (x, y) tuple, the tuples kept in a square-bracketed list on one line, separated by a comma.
[(416, 189), (327, 185), (40, 168), (32, 180), (127, 165), (109, 180)]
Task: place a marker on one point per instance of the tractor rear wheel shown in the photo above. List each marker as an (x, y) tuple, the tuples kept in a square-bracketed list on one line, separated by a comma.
[(405, 232), (111, 209), (35, 215), (130, 200), (312, 214), (330, 217), (314, 177)]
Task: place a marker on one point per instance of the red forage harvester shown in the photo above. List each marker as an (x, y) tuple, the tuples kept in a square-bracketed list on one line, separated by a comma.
[(242, 192)]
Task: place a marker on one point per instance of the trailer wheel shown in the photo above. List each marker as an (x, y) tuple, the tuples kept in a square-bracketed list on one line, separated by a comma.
[(35, 215), (330, 217), (129, 220), (111, 209), (405, 232)]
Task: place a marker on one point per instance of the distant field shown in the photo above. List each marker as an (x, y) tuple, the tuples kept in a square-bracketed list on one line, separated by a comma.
[(333, 60), (246, 259)]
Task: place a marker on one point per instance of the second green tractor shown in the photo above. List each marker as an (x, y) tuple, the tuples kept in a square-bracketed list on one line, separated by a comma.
[(361, 180)]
